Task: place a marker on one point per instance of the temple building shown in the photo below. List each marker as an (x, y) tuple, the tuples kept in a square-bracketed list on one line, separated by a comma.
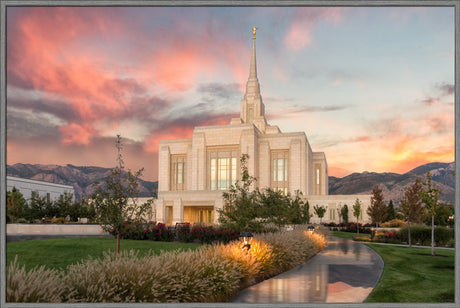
[(194, 172)]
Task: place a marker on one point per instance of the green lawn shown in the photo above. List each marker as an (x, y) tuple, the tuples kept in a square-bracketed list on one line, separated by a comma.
[(344, 234), (58, 253), (413, 275)]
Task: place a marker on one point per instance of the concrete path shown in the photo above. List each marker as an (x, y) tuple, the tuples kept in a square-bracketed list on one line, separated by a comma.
[(344, 272)]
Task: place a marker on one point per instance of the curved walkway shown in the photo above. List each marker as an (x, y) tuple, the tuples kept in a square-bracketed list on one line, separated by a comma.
[(344, 272)]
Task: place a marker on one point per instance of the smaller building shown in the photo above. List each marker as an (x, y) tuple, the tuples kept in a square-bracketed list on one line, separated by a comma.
[(49, 190)]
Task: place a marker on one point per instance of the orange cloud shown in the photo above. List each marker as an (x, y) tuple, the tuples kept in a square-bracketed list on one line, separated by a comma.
[(61, 52)]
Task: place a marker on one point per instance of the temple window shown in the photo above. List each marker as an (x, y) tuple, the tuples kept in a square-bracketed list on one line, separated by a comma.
[(279, 170), (223, 165), (178, 172)]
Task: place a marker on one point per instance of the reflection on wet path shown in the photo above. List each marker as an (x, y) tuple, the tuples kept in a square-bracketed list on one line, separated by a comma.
[(345, 272)]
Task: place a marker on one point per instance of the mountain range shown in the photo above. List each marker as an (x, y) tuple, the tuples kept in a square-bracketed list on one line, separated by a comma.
[(81, 178), (392, 184)]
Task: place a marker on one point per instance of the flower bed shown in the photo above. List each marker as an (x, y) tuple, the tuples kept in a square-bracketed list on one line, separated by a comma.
[(183, 232)]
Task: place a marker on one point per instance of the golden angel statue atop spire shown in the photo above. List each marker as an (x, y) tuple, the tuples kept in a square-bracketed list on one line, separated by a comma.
[(254, 33)]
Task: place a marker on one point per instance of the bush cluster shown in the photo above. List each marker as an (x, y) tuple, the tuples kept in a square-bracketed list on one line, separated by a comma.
[(183, 232), (212, 273), (42, 210), (394, 223), (422, 234)]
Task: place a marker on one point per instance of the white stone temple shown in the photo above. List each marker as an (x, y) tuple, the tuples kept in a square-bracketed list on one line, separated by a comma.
[(194, 172)]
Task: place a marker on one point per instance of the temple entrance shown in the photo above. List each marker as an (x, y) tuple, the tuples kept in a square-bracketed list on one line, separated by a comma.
[(199, 214)]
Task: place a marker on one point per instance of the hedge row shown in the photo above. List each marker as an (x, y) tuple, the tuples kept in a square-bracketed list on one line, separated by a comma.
[(422, 235), (183, 233), (213, 273)]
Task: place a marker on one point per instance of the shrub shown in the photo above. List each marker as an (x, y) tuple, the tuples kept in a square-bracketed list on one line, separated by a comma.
[(422, 234), (394, 223), (212, 273), (160, 232), (184, 233), (58, 220), (36, 285)]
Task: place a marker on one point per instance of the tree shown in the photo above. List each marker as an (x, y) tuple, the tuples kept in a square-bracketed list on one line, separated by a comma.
[(391, 213), (356, 212), (319, 211), (15, 205), (443, 213), (339, 213), (37, 207), (345, 213), (299, 211), (116, 203), (411, 206), (63, 205), (240, 208), (377, 211), (275, 207), (430, 196)]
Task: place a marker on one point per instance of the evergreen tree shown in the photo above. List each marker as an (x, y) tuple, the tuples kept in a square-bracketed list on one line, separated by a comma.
[(345, 213), (391, 212)]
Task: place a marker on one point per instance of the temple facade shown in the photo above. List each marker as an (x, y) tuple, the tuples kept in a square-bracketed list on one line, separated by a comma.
[(194, 172)]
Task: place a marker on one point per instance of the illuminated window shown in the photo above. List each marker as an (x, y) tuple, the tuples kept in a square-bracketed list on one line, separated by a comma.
[(251, 114), (222, 168), (317, 176), (279, 170), (178, 172)]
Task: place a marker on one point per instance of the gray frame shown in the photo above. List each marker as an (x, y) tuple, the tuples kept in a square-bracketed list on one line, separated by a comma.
[(3, 120)]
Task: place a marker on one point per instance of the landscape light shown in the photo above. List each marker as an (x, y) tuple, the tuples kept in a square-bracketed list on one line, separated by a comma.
[(246, 239)]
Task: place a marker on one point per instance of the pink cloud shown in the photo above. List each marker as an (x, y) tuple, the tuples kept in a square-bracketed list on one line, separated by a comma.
[(300, 32), (62, 51)]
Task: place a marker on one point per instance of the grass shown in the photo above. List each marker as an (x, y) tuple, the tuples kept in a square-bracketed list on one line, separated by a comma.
[(58, 253), (413, 275), (344, 234)]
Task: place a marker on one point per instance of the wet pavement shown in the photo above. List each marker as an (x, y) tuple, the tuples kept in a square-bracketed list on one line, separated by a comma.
[(344, 272)]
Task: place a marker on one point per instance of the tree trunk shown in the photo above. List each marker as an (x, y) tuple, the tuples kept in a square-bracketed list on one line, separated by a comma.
[(432, 235), (408, 233), (357, 225), (118, 245)]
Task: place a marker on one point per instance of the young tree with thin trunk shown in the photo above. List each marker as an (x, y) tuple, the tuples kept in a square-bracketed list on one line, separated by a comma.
[(377, 211), (357, 212), (430, 197), (116, 203), (320, 210), (411, 206)]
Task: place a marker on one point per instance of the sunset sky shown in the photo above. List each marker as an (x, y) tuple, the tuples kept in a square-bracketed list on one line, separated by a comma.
[(372, 87)]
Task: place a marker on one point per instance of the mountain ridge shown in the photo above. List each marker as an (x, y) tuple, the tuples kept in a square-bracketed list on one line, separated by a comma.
[(392, 184)]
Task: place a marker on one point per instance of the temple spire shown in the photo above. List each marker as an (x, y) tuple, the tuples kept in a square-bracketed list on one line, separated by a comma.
[(252, 86), (252, 107)]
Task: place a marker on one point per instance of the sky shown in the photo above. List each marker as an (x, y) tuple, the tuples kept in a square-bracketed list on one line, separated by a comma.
[(372, 87)]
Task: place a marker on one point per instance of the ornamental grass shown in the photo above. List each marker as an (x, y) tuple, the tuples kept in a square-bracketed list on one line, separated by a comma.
[(212, 273)]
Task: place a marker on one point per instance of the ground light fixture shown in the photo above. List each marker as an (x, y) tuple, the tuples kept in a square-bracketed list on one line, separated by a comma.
[(246, 239), (311, 229)]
